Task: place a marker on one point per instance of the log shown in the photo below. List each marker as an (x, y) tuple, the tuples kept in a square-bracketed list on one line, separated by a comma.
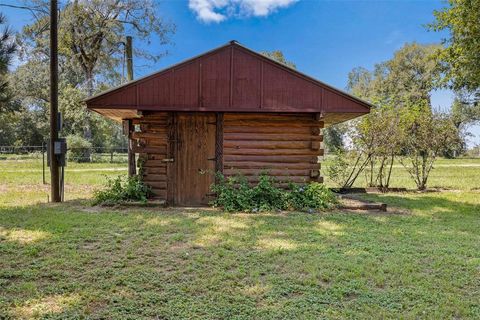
[(149, 136), (157, 185), (270, 172), (271, 165), (150, 149), (267, 123), (267, 144), (268, 117), (153, 163), (271, 137), (266, 129), (154, 178), (271, 152), (278, 159), (156, 170), (315, 145)]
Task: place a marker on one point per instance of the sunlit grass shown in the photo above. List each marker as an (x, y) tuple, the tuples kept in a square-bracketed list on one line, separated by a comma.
[(459, 174), (177, 264), (71, 260)]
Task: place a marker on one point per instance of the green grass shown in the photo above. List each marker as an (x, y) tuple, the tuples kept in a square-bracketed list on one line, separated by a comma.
[(70, 261), (458, 174), (21, 180)]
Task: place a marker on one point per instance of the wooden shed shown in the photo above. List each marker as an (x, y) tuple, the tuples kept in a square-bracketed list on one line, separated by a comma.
[(230, 110)]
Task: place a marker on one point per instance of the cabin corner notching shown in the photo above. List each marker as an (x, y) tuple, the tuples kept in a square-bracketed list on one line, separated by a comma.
[(230, 110)]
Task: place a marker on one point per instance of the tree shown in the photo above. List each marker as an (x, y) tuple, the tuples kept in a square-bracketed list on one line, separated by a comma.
[(91, 35), (427, 135), (278, 56), (7, 50), (394, 86), (409, 78), (464, 112), (92, 38), (461, 53)]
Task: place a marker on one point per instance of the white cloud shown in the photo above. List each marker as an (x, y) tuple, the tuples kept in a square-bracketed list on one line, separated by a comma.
[(220, 10)]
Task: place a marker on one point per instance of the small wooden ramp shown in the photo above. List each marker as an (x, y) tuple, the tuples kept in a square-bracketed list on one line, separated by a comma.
[(352, 203)]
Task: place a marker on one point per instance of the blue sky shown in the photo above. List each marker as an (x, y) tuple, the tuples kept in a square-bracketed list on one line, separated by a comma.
[(325, 39)]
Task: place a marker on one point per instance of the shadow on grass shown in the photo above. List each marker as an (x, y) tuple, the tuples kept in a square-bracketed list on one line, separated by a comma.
[(203, 263)]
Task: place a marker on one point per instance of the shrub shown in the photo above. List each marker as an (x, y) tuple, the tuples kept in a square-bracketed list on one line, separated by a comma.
[(122, 189), (236, 194), (78, 149), (310, 196)]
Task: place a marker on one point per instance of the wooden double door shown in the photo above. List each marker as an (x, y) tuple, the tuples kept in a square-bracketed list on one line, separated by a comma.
[(192, 148)]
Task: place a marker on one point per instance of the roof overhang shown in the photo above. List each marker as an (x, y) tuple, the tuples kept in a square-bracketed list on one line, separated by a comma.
[(231, 78)]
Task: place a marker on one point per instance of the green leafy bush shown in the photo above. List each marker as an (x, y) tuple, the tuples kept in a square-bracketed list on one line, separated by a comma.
[(236, 194), (78, 148), (122, 189), (310, 196)]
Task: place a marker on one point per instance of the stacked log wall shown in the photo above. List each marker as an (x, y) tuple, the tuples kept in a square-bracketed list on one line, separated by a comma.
[(152, 145), (286, 146)]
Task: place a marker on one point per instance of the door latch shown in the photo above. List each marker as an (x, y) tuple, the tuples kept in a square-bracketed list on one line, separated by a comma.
[(168, 160)]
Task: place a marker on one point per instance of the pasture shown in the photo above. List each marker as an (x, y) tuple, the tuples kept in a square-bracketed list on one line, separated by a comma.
[(71, 260)]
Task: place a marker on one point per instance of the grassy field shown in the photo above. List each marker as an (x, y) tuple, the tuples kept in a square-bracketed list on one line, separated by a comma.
[(71, 260)]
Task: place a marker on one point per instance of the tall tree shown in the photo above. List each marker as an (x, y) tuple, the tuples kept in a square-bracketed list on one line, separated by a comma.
[(91, 36), (462, 46), (7, 50)]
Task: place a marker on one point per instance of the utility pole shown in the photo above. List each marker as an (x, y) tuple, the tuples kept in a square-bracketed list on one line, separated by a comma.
[(54, 172), (132, 167), (129, 54)]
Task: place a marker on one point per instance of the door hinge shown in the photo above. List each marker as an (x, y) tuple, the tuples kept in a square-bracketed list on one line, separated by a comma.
[(167, 160)]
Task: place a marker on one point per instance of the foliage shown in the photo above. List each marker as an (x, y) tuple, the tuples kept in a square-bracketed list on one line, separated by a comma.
[(78, 148), (346, 166), (461, 52), (236, 194), (465, 110), (278, 56), (91, 40), (7, 50), (400, 89), (310, 196), (333, 137), (122, 189), (427, 135)]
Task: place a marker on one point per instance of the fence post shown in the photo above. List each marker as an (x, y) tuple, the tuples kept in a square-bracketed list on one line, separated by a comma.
[(43, 162)]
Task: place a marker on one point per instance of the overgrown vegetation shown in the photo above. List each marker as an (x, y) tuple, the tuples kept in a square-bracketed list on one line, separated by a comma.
[(237, 194), (78, 148), (122, 189)]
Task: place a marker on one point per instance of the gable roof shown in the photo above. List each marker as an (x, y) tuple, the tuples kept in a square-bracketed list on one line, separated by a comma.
[(231, 78)]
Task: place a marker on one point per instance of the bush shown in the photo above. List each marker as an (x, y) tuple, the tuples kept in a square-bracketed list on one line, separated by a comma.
[(78, 149), (122, 189), (236, 194), (310, 196)]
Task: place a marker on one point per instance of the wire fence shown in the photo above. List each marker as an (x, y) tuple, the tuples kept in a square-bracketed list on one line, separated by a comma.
[(79, 155), (33, 160)]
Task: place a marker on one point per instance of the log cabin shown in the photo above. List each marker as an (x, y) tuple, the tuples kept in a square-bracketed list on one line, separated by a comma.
[(229, 110)]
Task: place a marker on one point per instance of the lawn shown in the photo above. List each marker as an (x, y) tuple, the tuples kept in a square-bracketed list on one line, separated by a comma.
[(68, 261)]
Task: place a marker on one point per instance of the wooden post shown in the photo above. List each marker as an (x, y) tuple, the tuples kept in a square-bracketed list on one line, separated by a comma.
[(132, 167), (129, 56), (54, 172)]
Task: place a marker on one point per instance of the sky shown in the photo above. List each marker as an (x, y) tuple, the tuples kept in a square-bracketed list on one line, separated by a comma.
[(325, 39)]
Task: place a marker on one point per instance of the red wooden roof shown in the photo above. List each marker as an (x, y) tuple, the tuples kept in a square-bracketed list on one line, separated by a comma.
[(231, 78)]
